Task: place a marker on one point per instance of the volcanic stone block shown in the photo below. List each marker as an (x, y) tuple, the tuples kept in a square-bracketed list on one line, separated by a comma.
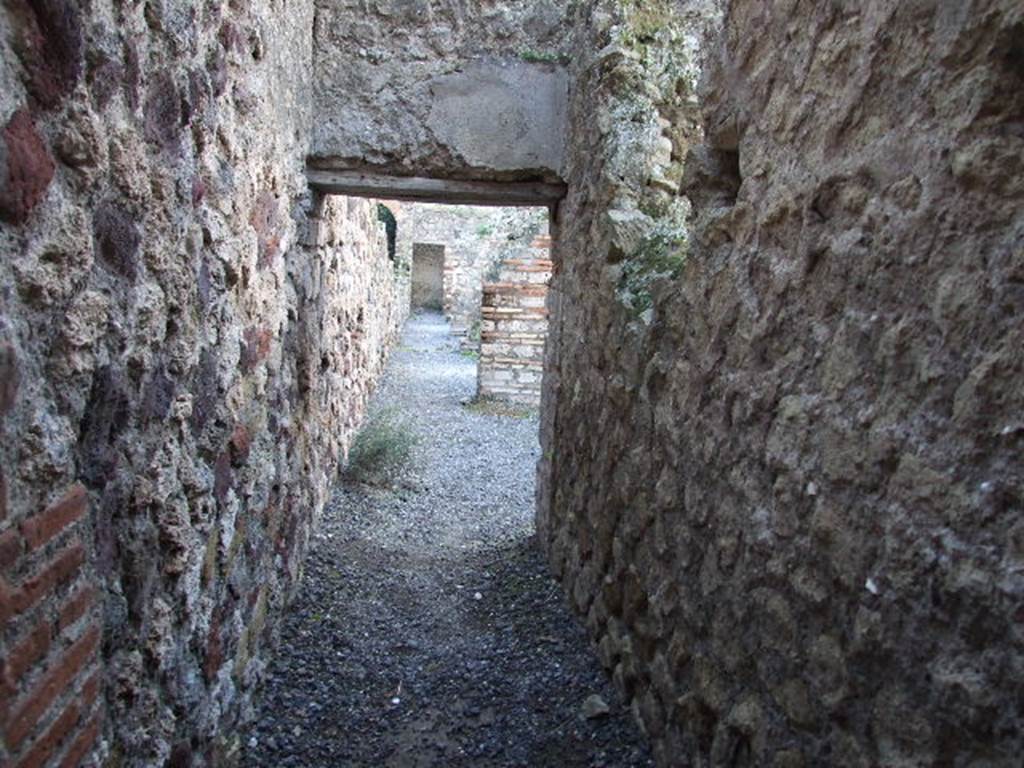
[(26, 168)]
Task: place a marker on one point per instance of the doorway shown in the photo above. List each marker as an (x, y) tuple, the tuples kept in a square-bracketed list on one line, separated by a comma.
[(427, 276)]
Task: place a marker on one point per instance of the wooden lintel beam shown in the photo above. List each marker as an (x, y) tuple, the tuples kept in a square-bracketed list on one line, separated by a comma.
[(425, 190)]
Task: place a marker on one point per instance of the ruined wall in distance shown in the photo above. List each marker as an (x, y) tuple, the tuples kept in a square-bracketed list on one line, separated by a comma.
[(785, 488), (428, 276), (476, 240), (179, 371)]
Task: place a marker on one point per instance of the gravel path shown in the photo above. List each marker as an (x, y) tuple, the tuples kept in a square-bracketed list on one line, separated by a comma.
[(427, 631)]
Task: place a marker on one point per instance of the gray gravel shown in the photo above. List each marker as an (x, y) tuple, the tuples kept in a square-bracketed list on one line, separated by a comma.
[(427, 631)]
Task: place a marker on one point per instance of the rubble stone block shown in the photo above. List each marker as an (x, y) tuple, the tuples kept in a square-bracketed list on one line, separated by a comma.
[(26, 168)]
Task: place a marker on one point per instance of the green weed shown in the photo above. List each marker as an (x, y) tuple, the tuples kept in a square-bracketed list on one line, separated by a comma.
[(543, 57), (486, 406), (381, 449)]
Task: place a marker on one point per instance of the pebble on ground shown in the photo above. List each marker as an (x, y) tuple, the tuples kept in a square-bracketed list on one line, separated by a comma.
[(427, 630)]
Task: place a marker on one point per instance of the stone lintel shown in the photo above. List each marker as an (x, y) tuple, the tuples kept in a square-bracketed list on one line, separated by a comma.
[(419, 189)]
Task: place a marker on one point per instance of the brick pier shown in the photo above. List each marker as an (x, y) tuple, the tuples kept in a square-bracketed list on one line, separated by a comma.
[(514, 328)]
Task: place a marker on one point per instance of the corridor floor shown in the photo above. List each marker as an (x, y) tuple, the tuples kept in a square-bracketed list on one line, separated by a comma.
[(427, 630)]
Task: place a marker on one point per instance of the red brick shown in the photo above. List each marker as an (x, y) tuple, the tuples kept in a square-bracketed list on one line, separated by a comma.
[(47, 744), (45, 525), (63, 726), (83, 743), (60, 569), (90, 690), (7, 692), (9, 599), (24, 654), (74, 608), (10, 548), (53, 684)]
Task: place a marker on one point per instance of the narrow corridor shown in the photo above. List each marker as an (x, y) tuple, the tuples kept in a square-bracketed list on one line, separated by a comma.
[(427, 631)]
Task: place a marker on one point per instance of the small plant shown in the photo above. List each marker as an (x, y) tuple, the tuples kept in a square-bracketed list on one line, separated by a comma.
[(542, 57), (386, 217), (660, 255), (485, 230), (646, 19), (486, 406), (381, 448)]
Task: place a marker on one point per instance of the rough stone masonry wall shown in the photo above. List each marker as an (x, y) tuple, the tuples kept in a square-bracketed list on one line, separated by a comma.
[(178, 374), (789, 499), (515, 328)]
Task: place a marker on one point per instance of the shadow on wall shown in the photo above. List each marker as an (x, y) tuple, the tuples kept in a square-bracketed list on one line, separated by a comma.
[(427, 276)]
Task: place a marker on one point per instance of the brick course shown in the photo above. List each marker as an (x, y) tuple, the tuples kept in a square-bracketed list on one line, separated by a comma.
[(76, 606), (29, 650), (55, 735), (41, 704), (48, 524), (56, 572), (54, 683), (10, 548), (83, 742)]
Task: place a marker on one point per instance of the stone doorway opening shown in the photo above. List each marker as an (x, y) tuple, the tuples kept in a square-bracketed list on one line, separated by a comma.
[(427, 622), (427, 632), (427, 291), (487, 270)]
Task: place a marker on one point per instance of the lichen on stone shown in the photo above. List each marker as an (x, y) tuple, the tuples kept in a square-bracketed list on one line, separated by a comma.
[(648, 122), (661, 255)]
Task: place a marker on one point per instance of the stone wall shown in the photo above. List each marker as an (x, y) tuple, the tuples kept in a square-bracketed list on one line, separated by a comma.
[(782, 474), (441, 88), (179, 374), (515, 328), (476, 240), (782, 477)]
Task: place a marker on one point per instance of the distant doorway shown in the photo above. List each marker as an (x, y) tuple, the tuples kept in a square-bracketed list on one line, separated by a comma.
[(427, 276)]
